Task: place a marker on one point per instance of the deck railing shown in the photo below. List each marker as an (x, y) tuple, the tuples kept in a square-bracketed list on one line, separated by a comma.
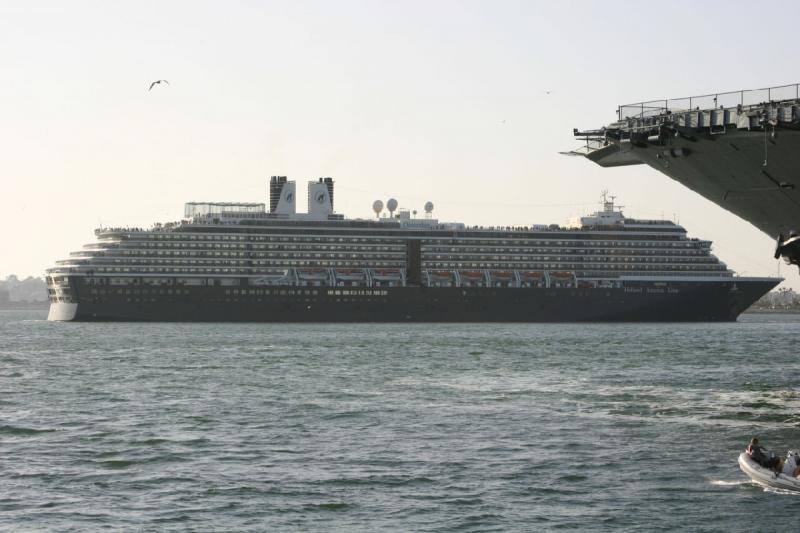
[(710, 101)]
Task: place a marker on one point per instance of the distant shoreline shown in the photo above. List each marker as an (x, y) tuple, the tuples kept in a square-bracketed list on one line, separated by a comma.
[(23, 306)]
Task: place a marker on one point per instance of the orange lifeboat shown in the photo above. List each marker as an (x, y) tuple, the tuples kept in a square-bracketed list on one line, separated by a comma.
[(312, 273), (350, 273), (387, 274)]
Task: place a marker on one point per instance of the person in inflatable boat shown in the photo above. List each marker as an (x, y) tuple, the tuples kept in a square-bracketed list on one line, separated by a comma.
[(790, 466)]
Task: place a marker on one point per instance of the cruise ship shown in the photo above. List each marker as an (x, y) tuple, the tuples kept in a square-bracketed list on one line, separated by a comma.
[(242, 262)]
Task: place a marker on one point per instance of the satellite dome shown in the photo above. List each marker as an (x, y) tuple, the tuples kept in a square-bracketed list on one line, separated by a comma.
[(377, 206), (391, 205), (428, 207)]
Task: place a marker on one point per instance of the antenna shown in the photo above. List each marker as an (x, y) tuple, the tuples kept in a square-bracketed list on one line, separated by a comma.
[(377, 206)]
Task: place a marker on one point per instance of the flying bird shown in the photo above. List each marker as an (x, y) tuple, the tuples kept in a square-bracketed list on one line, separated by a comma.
[(157, 82)]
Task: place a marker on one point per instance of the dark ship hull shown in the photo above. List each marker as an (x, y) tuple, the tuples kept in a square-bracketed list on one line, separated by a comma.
[(645, 301)]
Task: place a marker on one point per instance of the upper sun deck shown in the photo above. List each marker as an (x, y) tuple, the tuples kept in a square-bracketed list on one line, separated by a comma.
[(201, 209), (610, 221), (250, 218)]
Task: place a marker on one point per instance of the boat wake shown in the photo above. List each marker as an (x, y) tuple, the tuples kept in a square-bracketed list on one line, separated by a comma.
[(723, 483), (785, 492)]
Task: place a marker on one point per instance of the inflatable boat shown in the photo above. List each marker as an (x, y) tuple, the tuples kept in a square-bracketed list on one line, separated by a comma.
[(765, 476)]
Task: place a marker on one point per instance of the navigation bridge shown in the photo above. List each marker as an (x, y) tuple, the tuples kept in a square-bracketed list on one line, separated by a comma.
[(741, 150)]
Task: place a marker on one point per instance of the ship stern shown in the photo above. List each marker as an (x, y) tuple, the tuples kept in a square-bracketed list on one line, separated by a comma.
[(63, 297), (62, 311)]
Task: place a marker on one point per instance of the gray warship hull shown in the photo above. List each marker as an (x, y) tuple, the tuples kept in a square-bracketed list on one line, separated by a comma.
[(744, 157)]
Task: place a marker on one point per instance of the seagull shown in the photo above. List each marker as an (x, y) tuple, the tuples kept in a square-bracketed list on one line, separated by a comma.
[(157, 82)]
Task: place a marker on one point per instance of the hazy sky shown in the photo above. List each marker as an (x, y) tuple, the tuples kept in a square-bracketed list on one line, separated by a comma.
[(438, 100)]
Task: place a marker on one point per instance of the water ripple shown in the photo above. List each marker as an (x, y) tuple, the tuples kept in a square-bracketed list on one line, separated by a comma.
[(504, 427)]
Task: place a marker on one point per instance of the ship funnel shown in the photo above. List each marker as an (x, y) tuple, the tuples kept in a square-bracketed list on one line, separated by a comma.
[(281, 195), (329, 184), (276, 184), (320, 200)]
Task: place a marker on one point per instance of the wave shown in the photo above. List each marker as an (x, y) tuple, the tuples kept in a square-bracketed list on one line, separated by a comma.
[(723, 483), (116, 463), (378, 480), (19, 430), (330, 506), (782, 492)]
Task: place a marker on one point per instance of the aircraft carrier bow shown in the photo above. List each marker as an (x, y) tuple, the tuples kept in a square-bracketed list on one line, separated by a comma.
[(741, 150)]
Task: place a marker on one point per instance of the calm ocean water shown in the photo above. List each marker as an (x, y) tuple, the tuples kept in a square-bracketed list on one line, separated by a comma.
[(213, 427)]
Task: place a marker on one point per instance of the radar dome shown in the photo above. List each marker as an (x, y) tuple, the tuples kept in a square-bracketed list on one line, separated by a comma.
[(391, 205), (377, 206), (428, 207)]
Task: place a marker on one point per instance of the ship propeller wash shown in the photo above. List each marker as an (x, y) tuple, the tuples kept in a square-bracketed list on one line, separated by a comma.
[(242, 262)]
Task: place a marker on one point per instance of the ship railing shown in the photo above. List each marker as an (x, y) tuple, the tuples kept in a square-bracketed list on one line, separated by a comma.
[(741, 98)]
